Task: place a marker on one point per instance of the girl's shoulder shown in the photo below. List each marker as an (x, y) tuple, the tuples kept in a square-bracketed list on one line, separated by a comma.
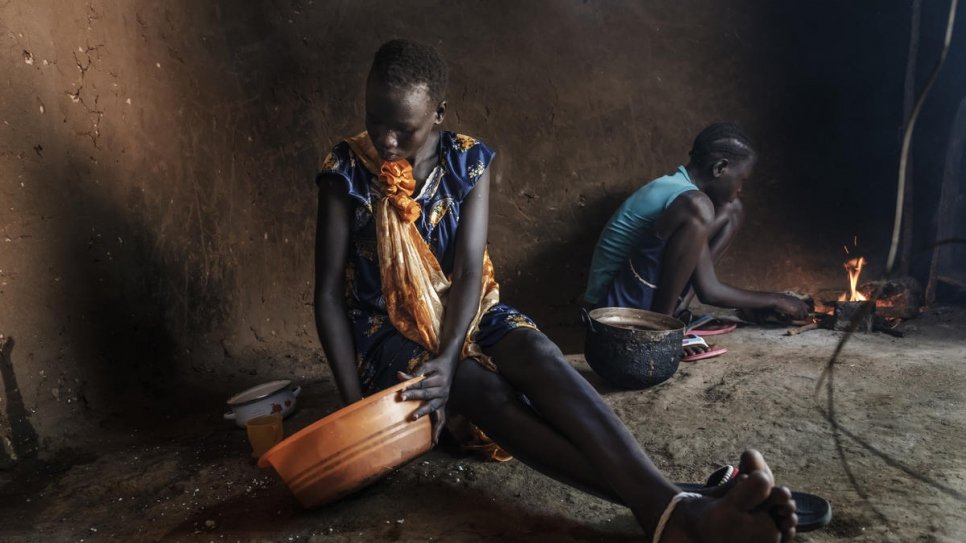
[(465, 157), (342, 162), (461, 145), (342, 159)]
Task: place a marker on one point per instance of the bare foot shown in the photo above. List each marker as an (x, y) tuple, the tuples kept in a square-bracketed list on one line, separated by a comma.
[(779, 504), (781, 507), (737, 517)]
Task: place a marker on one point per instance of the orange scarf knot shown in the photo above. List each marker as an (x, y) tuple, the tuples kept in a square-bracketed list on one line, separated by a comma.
[(399, 184)]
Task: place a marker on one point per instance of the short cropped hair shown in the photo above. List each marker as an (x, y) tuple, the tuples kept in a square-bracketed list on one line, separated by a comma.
[(721, 140), (404, 63)]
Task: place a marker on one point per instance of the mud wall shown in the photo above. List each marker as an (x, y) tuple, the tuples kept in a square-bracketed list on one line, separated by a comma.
[(156, 165)]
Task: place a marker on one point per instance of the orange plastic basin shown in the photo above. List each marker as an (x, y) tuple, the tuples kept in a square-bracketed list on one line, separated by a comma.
[(351, 448)]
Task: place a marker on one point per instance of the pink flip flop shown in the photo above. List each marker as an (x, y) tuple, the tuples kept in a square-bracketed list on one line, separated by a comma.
[(696, 340), (708, 325)]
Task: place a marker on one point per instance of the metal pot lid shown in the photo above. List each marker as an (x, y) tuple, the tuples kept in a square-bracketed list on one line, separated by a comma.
[(258, 392)]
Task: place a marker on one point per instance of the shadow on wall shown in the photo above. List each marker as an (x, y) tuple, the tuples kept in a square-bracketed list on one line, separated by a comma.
[(122, 302), (562, 286), (18, 435), (158, 235), (128, 305), (163, 227)]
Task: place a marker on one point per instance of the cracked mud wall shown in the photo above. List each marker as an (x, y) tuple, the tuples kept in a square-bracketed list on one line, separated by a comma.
[(156, 164), (142, 146)]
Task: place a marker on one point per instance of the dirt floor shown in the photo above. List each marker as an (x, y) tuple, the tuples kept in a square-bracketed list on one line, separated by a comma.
[(897, 473)]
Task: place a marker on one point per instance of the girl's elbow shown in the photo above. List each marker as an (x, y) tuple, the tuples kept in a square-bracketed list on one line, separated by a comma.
[(467, 276), (326, 293)]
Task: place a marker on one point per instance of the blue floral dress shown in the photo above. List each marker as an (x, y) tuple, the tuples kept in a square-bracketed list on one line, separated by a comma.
[(381, 351)]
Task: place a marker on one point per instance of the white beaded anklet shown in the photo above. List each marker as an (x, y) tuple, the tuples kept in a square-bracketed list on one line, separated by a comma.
[(659, 531)]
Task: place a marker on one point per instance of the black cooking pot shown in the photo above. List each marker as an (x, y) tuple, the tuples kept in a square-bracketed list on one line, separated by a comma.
[(632, 348)]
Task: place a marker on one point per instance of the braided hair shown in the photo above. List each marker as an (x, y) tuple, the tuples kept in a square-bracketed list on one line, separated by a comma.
[(718, 141), (404, 63)]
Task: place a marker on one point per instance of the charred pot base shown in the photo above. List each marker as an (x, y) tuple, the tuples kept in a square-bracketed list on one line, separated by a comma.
[(846, 312)]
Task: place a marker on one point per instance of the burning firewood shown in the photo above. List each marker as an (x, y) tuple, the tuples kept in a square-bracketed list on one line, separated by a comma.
[(900, 298), (795, 331), (895, 300), (857, 314)]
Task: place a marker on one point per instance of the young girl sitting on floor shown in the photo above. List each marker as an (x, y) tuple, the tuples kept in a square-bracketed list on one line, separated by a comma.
[(662, 243), (405, 287)]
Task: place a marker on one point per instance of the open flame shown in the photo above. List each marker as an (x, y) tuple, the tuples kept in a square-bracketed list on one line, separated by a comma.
[(854, 268)]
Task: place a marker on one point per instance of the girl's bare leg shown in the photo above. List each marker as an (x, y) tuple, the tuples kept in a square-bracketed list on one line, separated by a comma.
[(571, 434)]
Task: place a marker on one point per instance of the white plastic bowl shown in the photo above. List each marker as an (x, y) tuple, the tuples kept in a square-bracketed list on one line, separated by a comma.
[(275, 397)]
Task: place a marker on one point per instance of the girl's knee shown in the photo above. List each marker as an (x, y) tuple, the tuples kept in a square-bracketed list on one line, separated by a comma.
[(541, 348), (734, 213), (532, 350)]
